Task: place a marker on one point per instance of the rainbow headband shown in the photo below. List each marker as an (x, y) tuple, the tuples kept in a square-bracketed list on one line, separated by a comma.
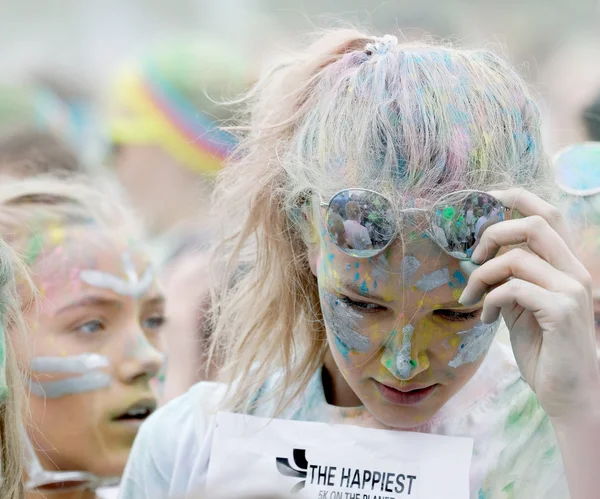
[(152, 111)]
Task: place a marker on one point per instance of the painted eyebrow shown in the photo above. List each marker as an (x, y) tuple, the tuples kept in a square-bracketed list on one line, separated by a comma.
[(355, 287), (89, 301)]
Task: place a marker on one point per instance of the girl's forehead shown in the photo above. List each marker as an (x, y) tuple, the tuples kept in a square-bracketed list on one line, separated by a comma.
[(76, 249)]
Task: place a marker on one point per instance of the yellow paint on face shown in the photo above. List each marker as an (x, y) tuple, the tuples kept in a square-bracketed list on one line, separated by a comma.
[(56, 233)]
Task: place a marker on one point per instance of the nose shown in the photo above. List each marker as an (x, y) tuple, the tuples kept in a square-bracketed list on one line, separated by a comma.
[(141, 359), (402, 357)]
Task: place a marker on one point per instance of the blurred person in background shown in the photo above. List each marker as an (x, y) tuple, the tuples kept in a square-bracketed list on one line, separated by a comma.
[(39, 133), (165, 112), (95, 324)]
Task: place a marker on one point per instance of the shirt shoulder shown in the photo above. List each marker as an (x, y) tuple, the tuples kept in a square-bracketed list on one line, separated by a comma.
[(172, 446)]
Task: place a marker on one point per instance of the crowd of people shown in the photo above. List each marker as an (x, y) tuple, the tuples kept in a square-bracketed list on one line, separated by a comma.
[(339, 240)]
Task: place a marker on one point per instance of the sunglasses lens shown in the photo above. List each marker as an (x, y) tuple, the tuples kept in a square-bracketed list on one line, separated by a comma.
[(458, 221), (360, 222), (578, 169)]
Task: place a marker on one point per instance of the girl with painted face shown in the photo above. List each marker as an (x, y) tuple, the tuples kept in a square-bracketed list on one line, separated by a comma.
[(399, 334), (94, 342)]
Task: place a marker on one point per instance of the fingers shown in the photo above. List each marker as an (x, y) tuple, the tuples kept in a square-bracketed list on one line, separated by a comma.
[(535, 232), (517, 263), (516, 292), (528, 204)]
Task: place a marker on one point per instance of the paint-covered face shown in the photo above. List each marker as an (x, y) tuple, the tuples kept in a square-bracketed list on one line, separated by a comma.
[(402, 342), (95, 346)]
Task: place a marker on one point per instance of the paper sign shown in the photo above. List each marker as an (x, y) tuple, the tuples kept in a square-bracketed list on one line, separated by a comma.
[(253, 455)]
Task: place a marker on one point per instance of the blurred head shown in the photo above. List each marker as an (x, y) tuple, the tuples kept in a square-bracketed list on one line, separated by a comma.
[(30, 152), (352, 210), (164, 121), (95, 332), (413, 122)]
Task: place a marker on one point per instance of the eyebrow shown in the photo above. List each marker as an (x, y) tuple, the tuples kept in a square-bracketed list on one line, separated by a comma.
[(88, 301), (155, 301), (357, 288)]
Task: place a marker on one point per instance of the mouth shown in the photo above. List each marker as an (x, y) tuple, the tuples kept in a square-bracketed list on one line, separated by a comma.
[(138, 412), (408, 395)]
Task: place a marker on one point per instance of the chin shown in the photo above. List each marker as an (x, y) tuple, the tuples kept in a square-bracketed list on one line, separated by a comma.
[(110, 465)]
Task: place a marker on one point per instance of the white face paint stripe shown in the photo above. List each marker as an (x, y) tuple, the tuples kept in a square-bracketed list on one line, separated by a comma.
[(133, 286), (94, 380), (474, 343), (403, 356), (409, 266), (434, 280), (69, 364), (344, 322)]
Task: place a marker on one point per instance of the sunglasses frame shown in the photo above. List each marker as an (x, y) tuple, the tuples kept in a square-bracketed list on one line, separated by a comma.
[(569, 190), (429, 213)]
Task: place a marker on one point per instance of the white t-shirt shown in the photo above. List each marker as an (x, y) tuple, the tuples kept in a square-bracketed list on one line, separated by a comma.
[(357, 235), (515, 454)]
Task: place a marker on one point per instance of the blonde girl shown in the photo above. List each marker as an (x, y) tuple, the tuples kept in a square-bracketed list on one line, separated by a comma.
[(94, 335), (399, 335)]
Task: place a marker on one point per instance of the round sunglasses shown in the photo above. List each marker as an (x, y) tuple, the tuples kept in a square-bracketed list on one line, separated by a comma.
[(578, 169), (362, 222)]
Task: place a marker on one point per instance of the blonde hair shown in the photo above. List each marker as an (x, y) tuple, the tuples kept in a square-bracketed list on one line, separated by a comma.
[(409, 120), (11, 409), (32, 207)]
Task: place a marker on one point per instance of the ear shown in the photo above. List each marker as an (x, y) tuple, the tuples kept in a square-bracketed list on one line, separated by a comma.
[(313, 258)]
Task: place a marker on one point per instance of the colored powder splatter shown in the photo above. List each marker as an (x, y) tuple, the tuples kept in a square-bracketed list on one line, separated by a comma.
[(458, 275), (342, 348), (34, 248), (519, 416), (357, 264), (433, 280), (356, 277), (413, 363), (509, 487), (57, 234), (331, 257), (448, 212), (364, 290), (348, 267), (375, 284)]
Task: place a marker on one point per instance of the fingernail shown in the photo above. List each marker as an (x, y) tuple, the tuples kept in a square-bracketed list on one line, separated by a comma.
[(465, 296)]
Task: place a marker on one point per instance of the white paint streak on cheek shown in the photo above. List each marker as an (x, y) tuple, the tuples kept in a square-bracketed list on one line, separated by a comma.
[(132, 286), (434, 280), (409, 266), (344, 323), (474, 343), (86, 365)]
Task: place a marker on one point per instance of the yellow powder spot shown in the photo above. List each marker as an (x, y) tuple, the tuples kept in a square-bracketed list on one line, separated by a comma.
[(56, 233), (455, 341), (456, 293)]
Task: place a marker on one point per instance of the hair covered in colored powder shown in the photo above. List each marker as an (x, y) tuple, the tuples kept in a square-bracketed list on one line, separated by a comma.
[(408, 120)]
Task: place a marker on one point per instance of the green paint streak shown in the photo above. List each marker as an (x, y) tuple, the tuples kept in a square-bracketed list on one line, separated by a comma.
[(509, 488), (549, 454), (34, 248), (413, 363), (521, 415)]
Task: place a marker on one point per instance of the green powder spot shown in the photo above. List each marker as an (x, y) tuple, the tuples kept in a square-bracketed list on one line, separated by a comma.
[(388, 363), (549, 454), (413, 362), (480, 495), (449, 212), (34, 248), (509, 487), (521, 415)]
